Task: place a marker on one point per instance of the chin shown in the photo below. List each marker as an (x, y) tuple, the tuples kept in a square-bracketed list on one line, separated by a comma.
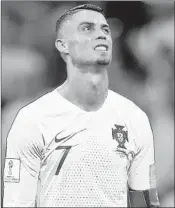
[(104, 62)]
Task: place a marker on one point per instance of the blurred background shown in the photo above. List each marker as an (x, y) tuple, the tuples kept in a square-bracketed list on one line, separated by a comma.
[(142, 68)]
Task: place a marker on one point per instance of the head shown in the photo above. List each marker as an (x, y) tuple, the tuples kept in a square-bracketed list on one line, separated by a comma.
[(84, 37)]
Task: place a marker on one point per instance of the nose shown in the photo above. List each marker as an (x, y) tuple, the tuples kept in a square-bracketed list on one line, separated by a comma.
[(100, 35)]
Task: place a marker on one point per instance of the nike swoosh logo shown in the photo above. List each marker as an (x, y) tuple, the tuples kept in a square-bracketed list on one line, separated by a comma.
[(66, 137), (59, 140)]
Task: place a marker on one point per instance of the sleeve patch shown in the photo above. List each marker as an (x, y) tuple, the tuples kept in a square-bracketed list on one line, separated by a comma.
[(152, 176), (12, 170)]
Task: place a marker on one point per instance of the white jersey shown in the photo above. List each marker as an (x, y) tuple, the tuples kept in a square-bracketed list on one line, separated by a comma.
[(59, 155)]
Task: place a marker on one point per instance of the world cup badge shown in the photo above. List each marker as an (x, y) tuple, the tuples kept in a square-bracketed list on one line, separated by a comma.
[(10, 167), (12, 170)]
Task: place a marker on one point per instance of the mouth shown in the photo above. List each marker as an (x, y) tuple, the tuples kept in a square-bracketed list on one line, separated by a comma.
[(101, 47)]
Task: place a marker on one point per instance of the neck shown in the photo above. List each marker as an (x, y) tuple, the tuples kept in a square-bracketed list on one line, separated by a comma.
[(86, 88)]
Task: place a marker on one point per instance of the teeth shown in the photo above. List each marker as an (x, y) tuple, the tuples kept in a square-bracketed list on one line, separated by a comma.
[(100, 48)]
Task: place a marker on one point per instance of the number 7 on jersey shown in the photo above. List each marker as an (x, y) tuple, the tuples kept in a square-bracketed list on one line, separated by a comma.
[(67, 149)]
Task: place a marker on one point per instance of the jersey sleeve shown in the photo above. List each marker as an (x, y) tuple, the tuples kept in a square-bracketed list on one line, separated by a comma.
[(142, 171), (22, 162)]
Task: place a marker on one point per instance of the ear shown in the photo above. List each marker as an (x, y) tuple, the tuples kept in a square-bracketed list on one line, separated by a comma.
[(61, 45)]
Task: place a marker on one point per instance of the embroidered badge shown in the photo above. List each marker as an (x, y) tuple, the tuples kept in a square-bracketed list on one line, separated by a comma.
[(12, 170), (120, 135)]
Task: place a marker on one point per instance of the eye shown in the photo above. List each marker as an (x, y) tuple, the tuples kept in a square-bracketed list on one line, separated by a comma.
[(106, 30), (86, 28)]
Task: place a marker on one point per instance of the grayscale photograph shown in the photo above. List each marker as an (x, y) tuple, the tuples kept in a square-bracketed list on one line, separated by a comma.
[(87, 104)]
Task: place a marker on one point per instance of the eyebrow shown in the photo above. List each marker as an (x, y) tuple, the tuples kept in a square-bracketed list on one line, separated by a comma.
[(92, 23)]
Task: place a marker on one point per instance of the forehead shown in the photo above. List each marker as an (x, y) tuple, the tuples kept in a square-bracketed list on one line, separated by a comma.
[(84, 16), (88, 15)]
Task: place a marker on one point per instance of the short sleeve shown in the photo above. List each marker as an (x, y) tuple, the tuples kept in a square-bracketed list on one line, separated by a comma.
[(22, 162), (142, 169)]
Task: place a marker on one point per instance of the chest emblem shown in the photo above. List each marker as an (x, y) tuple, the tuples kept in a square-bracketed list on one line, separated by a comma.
[(120, 135)]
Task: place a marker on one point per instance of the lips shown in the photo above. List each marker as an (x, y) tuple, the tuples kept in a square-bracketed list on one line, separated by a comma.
[(101, 47)]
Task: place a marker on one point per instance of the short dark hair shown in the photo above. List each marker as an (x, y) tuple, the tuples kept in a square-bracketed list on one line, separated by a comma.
[(73, 10)]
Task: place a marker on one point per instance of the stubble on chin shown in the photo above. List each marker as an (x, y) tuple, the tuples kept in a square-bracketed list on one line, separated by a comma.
[(103, 62)]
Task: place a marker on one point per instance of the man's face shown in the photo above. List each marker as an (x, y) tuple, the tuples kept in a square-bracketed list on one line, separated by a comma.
[(88, 38)]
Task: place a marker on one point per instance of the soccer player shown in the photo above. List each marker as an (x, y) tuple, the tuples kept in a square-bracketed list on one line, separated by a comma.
[(80, 145)]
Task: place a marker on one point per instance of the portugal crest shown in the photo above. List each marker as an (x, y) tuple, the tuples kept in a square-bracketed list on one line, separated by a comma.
[(120, 135)]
